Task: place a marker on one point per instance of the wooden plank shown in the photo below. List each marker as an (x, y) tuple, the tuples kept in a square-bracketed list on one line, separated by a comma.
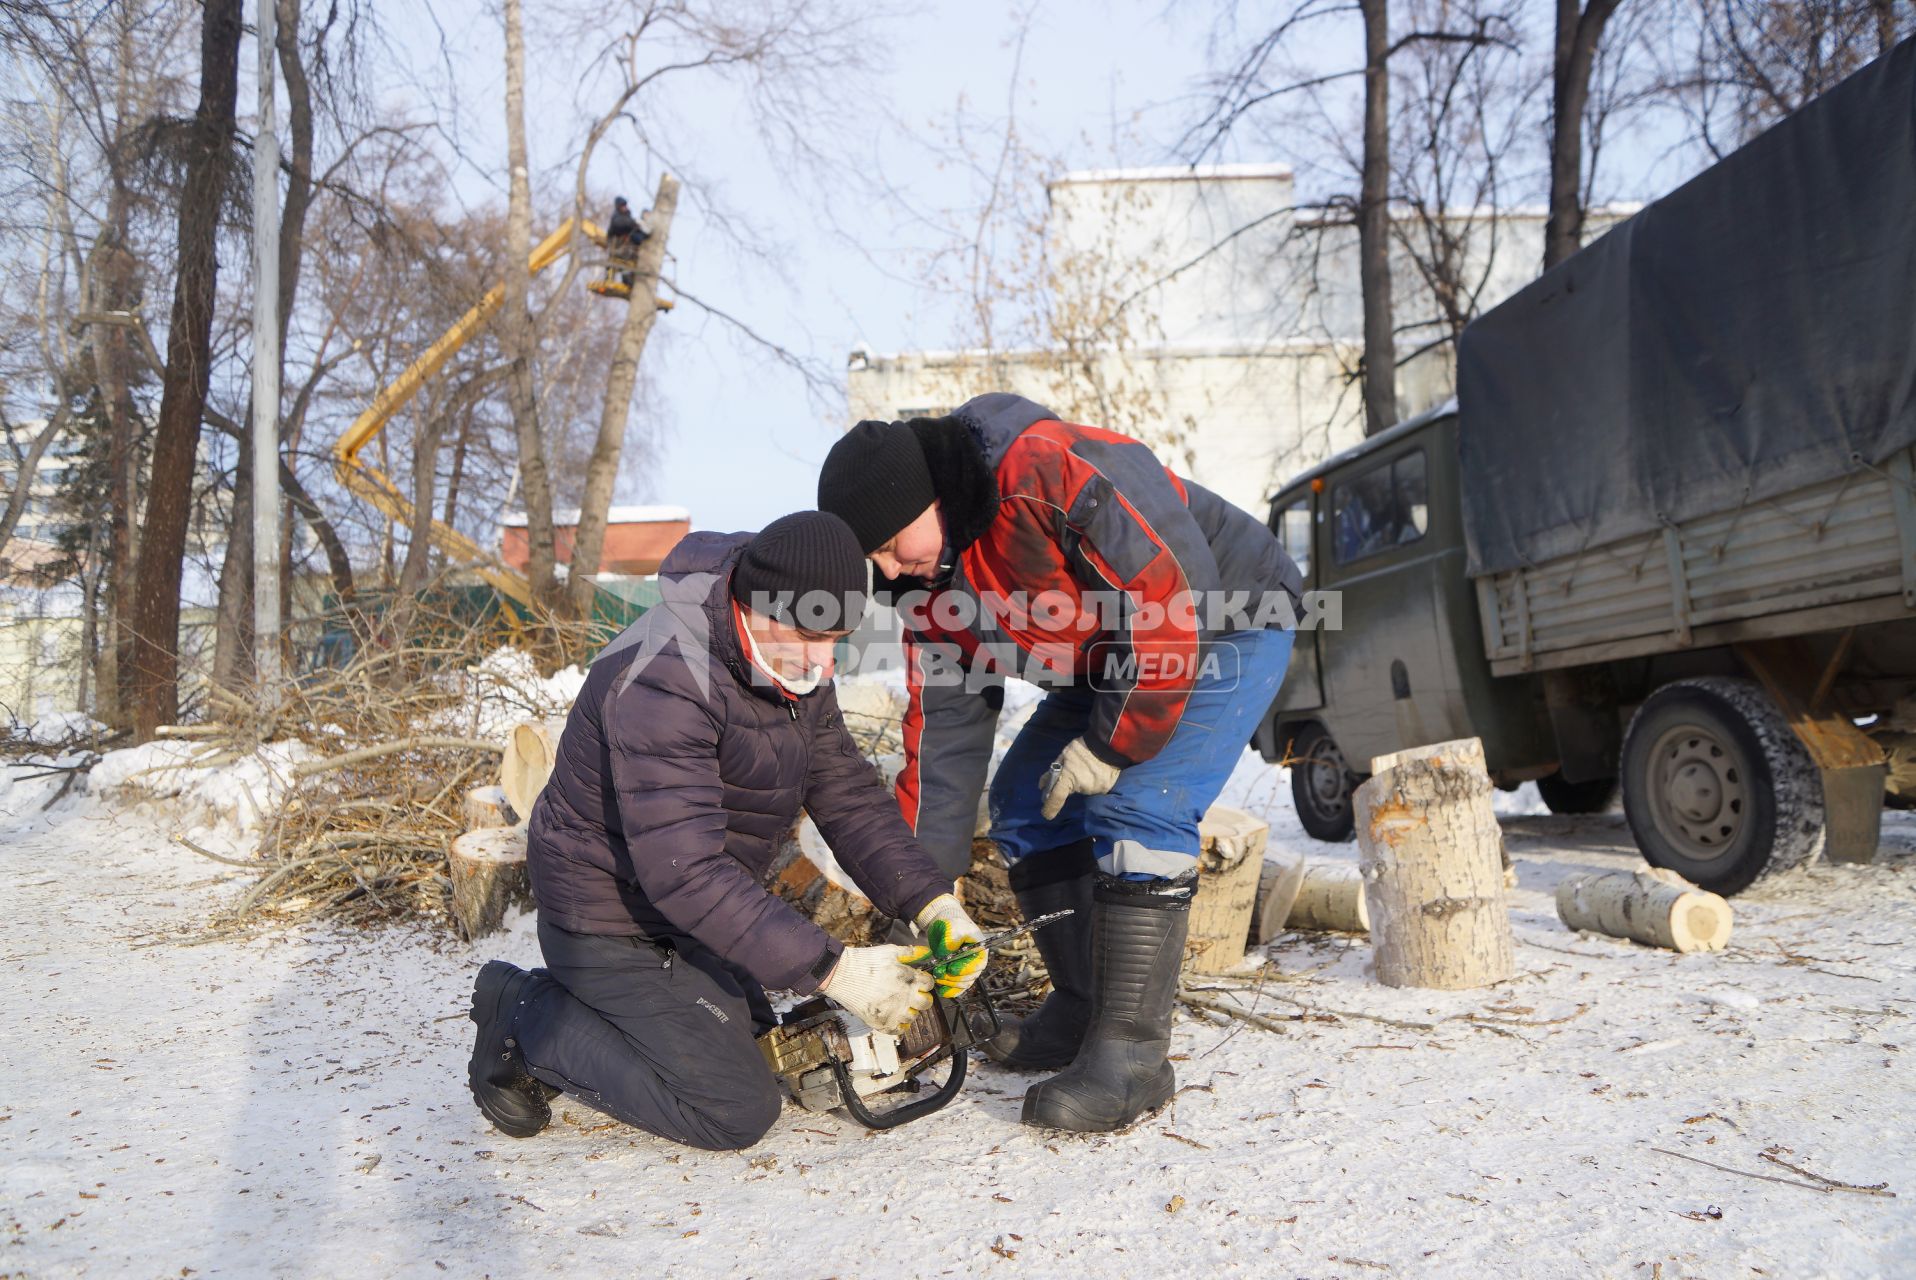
[(1852, 764), (1902, 498), (1829, 617)]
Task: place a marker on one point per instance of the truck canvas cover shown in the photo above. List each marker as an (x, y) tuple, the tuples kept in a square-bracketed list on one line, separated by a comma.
[(1751, 333)]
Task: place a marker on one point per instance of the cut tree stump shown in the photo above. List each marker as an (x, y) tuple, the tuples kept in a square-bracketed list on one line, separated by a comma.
[(1656, 907), (1432, 859), (1230, 856), (1330, 899), (488, 872), (488, 807), (532, 748)]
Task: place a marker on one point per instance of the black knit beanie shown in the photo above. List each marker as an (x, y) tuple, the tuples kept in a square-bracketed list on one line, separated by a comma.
[(805, 570), (876, 480)]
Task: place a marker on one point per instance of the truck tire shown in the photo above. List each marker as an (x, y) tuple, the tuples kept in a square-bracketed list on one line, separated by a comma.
[(1716, 787), (1321, 785), (1565, 797)]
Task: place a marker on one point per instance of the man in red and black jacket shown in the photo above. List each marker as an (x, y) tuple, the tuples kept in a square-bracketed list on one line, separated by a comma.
[(1157, 615)]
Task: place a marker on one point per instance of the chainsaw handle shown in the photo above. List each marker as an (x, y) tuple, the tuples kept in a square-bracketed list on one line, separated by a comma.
[(909, 1111)]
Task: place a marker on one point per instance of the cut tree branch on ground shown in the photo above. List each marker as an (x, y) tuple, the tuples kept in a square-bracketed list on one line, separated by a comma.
[(1822, 1184)]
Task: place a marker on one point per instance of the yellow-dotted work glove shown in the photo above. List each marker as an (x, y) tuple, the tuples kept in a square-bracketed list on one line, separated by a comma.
[(949, 929), (877, 984), (1076, 771)]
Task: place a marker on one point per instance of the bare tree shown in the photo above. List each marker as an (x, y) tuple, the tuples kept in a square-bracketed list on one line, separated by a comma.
[(1579, 33), (156, 603), (641, 309), (1465, 109), (1735, 67), (1373, 225), (515, 329)]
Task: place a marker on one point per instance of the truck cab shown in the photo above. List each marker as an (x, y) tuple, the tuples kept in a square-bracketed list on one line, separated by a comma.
[(1397, 661)]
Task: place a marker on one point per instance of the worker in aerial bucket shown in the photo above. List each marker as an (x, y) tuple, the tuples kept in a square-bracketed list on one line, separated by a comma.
[(1158, 615), (623, 236), (700, 731)]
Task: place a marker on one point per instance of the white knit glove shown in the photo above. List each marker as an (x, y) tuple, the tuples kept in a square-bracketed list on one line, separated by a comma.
[(1076, 771), (876, 984), (949, 929)]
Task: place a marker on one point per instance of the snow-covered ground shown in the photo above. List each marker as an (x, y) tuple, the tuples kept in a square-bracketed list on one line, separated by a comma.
[(295, 1105)]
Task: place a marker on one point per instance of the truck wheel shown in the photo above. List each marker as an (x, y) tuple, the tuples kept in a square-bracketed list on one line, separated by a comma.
[(1576, 797), (1716, 787), (1321, 785)]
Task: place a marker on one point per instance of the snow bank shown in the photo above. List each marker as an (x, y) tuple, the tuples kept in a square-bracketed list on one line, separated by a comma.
[(505, 688), (230, 802)]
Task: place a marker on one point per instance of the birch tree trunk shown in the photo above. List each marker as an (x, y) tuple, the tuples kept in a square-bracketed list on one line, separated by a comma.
[(641, 310), (515, 323), (1432, 859)]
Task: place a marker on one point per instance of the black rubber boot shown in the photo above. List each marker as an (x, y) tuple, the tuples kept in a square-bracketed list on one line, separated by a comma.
[(504, 1090), (1047, 882), (1122, 1071)]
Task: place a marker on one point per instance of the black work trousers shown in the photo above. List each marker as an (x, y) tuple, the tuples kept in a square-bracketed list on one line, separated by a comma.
[(659, 1038)]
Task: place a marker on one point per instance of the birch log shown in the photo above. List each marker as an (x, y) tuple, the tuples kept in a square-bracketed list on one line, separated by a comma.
[(1656, 908), (488, 872), (532, 748), (1231, 854), (1277, 884), (1330, 899), (488, 807), (1432, 860)]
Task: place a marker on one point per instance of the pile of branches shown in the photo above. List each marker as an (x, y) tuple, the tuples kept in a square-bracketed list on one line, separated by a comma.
[(396, 738)]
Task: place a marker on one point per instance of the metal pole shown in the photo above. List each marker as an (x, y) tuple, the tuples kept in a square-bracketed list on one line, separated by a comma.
[(266, 514)]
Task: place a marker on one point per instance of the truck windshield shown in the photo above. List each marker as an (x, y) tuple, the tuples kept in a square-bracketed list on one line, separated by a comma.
[(1294, 531), (1385, 506)]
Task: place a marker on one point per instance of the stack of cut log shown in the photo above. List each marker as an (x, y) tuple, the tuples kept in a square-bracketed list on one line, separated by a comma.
[(487, 864), (1429, 886)]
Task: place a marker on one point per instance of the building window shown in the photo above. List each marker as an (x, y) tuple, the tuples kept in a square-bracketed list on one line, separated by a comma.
[(931, 411), (1384, 507)]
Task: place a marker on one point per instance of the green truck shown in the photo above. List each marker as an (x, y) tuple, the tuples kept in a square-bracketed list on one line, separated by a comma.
[(1664, 541)]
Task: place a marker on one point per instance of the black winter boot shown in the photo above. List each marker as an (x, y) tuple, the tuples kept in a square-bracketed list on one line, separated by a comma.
[(1047, 882), (504, 1090), (1122, 1072)]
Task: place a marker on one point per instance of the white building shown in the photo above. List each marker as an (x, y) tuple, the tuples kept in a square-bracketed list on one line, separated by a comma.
[(1201, 311)]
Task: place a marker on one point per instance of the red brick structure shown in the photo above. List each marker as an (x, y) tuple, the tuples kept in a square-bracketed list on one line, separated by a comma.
[(636, 538)]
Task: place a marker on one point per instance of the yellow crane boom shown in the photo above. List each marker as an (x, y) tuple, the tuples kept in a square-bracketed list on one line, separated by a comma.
[(374, 485)]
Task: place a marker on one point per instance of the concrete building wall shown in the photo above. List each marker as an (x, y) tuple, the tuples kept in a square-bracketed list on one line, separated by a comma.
[(1248, 322)]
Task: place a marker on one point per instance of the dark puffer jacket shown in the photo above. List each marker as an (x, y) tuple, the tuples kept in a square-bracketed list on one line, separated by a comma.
[(681, 766)]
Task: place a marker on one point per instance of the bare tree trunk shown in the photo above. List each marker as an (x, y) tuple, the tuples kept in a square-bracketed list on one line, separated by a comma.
[(233, 619), (24, 473), (641, 310), (1373, 225), (515, 329), (114, 283), (425, 468), (154, 679), (1578, 34)]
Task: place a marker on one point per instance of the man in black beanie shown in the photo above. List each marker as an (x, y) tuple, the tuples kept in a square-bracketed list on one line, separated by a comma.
[(1157, 615), (699, 731)]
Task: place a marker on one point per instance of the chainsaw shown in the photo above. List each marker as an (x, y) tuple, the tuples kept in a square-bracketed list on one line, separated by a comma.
[(827, 1058)]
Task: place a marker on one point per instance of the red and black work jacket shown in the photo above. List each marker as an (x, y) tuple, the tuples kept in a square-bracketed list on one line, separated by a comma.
[(1100, 567)]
